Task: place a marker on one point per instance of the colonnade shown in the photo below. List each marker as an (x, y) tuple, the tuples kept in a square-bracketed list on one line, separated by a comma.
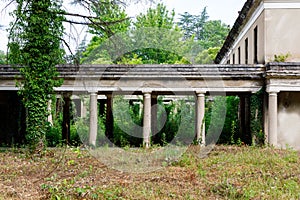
[(149, 117)]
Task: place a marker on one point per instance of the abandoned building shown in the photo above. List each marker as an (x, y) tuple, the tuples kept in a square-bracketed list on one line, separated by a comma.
[(265, 31)]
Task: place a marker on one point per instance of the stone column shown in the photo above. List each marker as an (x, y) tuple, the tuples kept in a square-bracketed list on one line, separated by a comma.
[(272, 135), (83, 109), (66, 118), (50, 117), (93, 119), (109, 122), (147, 120), (200, 121), (266, 118)]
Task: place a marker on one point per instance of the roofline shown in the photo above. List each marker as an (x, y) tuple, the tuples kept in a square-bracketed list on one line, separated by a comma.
[(234, 32)]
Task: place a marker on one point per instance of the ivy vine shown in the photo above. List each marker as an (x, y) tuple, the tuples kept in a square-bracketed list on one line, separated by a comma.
[(34, 44)]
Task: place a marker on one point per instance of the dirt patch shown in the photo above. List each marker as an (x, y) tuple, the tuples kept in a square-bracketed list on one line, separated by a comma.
[(227, 172)]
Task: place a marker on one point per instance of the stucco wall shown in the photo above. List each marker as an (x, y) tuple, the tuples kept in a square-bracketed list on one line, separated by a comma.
[(282, 33), (289, 120)]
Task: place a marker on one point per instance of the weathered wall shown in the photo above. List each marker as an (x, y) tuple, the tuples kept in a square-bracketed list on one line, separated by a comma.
[(289, 120), (282, 33)]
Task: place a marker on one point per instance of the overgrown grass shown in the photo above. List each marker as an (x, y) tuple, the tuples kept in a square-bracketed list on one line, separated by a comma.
[(227, 172)]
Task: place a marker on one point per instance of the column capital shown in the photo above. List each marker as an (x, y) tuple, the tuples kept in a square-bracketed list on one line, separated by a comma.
[(272, 90), (146, 91), (147, 95), (200, 92), (273, 93), (93, 92)]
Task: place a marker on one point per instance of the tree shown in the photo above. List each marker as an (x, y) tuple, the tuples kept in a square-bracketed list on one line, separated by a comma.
[(156, 38), (192, 25), (207, 56), (118, 21), (214, 33), (35, 46), (152, 38), (2, 58)]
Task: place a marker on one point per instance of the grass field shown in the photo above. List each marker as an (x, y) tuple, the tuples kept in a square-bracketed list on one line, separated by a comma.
[(227, 172)]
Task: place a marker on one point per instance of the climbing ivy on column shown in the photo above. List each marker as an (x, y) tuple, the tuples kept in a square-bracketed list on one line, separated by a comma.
[(35, 47)]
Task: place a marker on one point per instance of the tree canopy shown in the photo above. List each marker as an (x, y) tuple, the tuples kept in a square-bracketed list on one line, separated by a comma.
[(192, 25), (153, 38)]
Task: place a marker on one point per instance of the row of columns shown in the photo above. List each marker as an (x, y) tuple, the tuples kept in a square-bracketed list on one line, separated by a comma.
[(149, 118)]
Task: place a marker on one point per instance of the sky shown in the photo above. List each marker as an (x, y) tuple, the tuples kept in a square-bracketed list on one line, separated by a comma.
[(224, 10)]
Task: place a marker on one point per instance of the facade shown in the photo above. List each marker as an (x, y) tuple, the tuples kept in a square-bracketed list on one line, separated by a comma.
[(266, 28)]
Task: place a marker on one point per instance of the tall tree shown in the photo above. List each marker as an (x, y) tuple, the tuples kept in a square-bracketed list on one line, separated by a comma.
[(35, 47), (117, 20), (156, 37), (214, 33), (153, 38), (192, 25)]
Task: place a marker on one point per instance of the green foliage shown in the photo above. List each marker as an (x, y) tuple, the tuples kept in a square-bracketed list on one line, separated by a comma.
[(207, 56), (222, 118), (156, 17), (2, 58), (208, 36), (152, 39), (35, 46), (170, 127), (192, 25), (127, 123), (117, 21), (155, 37), (110, 12), (214, 34), (281, 57), (131, 61), (256, 106)]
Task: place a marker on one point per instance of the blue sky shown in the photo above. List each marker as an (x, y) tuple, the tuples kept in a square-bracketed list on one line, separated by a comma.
[(225, 10)]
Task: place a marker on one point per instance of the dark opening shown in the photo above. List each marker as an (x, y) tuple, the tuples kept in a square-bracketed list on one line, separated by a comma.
[(239, 55), (246, 51), (255, 45)]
